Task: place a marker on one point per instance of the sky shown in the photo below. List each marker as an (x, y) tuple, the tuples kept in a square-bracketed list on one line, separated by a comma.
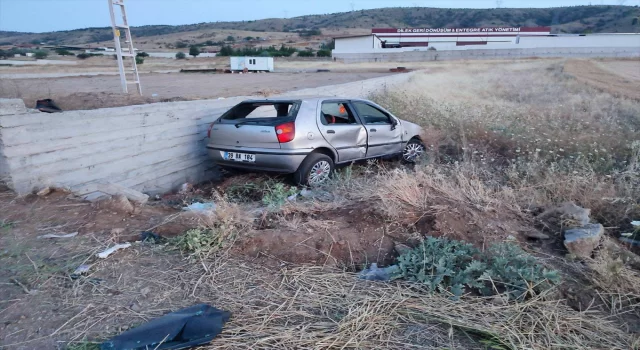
[(53, 15)]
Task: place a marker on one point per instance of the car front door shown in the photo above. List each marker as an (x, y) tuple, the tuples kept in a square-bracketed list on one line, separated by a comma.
[(384, 133), (342, 130)]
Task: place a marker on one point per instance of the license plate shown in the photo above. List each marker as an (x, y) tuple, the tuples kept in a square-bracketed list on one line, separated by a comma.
[(239, 157)]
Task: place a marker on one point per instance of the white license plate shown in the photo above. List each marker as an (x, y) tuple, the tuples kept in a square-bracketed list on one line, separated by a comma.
[(239, 157)]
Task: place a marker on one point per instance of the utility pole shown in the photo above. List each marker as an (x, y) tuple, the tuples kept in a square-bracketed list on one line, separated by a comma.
[(498, 4), (129, 41), (353, 7)]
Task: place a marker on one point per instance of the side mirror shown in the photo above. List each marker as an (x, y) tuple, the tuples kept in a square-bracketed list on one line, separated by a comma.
[(394, 123)]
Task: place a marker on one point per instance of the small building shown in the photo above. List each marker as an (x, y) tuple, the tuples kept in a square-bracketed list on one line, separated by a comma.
[(252, 64), (29, 54)]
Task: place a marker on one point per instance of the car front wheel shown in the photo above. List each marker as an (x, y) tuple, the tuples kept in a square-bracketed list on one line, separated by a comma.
[(314, 170), (412, 151)]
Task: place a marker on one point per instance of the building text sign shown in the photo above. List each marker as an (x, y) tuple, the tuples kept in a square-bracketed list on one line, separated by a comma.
[(459, 30)]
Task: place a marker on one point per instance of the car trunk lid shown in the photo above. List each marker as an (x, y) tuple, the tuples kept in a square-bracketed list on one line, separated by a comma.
[(253, 124)]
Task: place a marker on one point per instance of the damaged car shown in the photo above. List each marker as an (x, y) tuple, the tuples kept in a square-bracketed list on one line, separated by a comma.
[(308, 137)]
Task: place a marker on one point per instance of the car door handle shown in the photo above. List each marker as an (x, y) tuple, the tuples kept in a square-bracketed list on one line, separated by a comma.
[(373, 130), (331, 132)]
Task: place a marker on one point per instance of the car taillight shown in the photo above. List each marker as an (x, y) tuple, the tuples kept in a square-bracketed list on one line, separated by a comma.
[(286, 132)]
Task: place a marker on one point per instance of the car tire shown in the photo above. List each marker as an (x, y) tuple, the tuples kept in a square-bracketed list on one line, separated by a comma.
[(412, 151), (318, 163)]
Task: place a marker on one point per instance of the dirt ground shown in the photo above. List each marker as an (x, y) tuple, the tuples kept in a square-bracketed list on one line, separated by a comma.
[(621, 77), (104, 91)]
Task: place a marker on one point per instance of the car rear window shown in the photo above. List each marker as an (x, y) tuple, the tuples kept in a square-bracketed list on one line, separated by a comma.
[(262, 110)]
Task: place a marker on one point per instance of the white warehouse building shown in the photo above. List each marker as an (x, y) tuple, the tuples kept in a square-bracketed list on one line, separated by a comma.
[(399, 40)]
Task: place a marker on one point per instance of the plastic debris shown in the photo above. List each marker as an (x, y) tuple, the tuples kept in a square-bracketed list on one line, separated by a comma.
[(53, 235), (47, 105), (186, 328), (186, 188), (81, 269), (374, 273), (292, 197), (104, 254), (198, 206), (44, 192), (635, 223)]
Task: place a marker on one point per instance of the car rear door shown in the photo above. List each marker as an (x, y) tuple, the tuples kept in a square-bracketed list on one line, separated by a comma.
[(384, 136), (252, 124), (341, 128)]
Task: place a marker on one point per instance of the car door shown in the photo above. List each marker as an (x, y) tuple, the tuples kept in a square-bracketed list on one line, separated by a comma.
[(383, 132), (341, 128)]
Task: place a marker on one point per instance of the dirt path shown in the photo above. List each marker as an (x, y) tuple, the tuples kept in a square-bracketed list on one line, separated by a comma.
[(617, 77)]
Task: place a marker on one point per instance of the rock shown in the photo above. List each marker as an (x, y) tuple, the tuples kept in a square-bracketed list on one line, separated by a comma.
[(122, 204), (44, 192), (535, 234), (581, 241), (565, 216), (145, 291), (117, 231), (401, 248)]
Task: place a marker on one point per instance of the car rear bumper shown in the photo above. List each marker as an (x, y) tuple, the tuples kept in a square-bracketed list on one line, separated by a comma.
[(276, 160)]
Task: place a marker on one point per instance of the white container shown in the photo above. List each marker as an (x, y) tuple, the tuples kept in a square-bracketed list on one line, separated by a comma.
[(252, 64)]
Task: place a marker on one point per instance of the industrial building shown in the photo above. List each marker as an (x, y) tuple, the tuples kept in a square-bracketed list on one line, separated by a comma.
[(532, 41)]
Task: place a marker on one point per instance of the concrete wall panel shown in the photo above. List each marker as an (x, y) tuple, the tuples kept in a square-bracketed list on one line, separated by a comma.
[(152, 148)]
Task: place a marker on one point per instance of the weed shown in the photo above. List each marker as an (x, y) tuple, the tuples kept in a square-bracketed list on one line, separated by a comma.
[(7, 224), (450, 266), (204, 241), (275, 194)]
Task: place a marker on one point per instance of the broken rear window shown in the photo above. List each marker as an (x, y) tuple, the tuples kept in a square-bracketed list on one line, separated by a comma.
[(263, 110)]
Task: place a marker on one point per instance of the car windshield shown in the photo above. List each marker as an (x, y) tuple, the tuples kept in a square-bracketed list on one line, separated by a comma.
[(263, 110)]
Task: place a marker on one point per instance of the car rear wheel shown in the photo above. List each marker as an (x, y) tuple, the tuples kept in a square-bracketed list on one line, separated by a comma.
[(314, 170), (412, 151)]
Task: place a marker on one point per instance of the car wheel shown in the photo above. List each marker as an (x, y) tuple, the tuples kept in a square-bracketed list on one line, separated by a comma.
[(314, 170), (412, 151)]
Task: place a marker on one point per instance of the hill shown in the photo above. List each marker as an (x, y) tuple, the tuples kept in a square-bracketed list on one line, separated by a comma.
[(575, 19)]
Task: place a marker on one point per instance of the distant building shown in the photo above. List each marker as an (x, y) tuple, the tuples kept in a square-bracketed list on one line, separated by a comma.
[(388, 40)]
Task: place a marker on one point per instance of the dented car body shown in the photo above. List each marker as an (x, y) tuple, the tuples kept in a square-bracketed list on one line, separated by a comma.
[(309, 136)]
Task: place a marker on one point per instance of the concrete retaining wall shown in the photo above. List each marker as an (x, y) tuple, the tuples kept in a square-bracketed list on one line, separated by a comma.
[(419, 56), (151, 148)]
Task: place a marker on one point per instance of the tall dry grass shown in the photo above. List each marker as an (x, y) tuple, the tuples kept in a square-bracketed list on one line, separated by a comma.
[(534, 129)]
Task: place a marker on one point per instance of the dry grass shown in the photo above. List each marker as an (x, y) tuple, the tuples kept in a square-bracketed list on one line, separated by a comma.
[(503, 141), (309, 307), (531, 127)]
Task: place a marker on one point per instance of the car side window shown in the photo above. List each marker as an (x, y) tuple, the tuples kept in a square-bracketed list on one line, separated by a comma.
[(371, 115), (336, 113)]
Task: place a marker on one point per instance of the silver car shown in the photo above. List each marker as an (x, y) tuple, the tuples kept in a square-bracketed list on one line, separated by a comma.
[(309, 136)]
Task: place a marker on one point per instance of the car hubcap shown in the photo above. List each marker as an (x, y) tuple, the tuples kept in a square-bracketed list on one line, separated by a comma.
[(319, 172), (413, 151)]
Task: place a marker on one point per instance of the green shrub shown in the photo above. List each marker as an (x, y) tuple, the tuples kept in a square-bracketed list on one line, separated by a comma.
[(194, 51), (306, 53), (324, 53), (442, 265), (83, 55), (180, 56), (63, 52), (275, 193), (450, 266), (40, 54), (205, 241), (181, 45), (142, 54), (512, 270), (139, 60)]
